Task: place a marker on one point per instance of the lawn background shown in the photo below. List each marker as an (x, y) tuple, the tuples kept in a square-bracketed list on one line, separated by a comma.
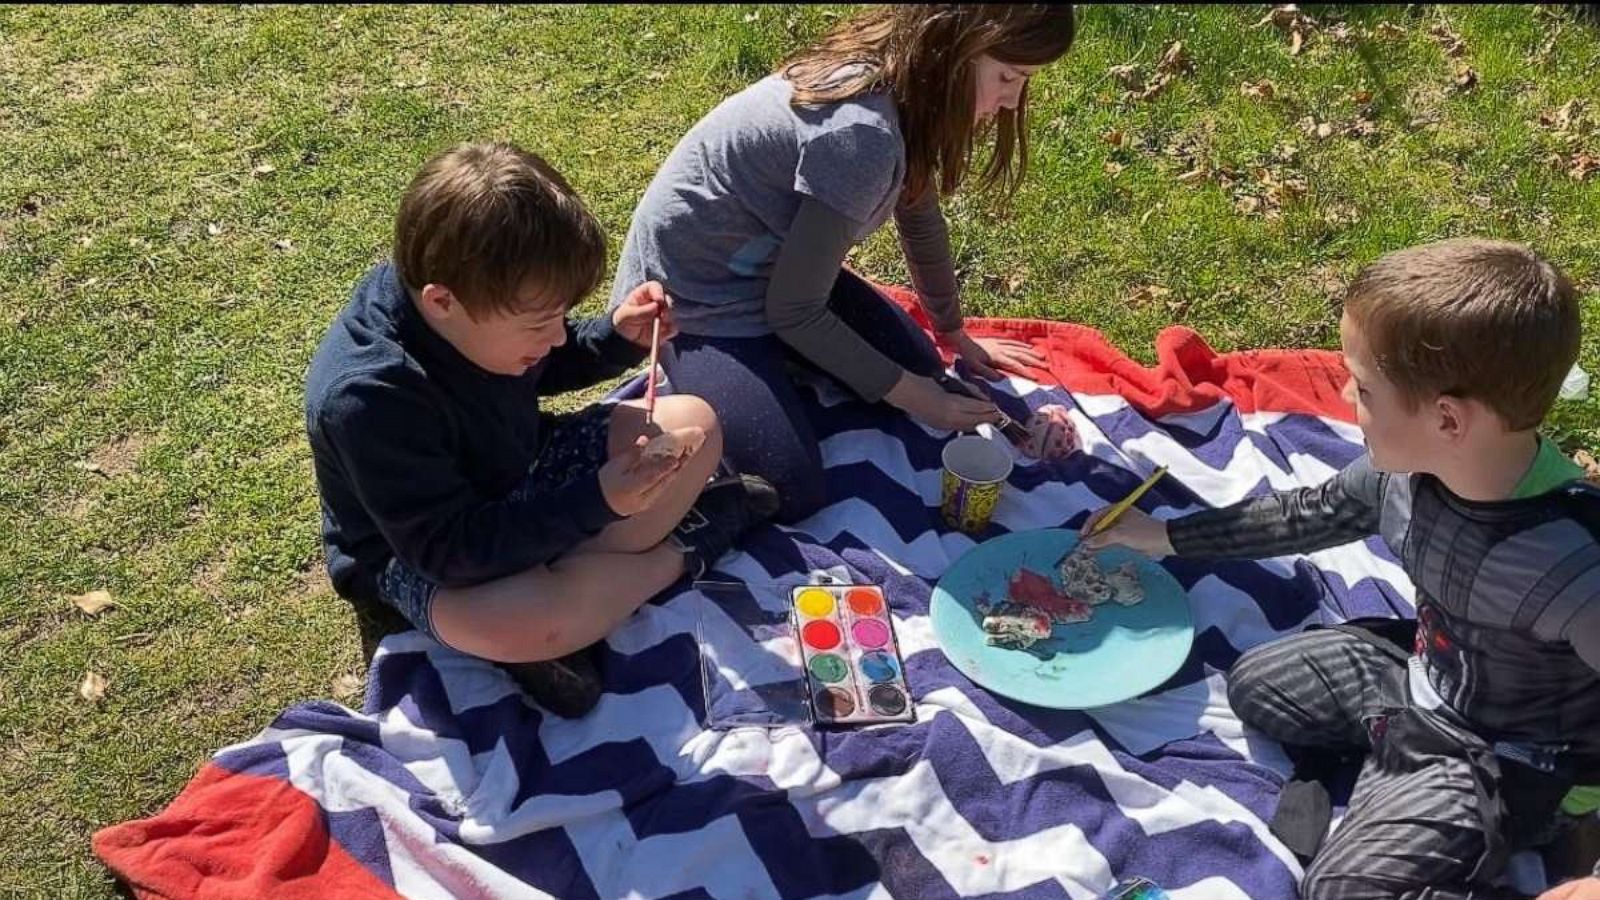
[(188, 193)]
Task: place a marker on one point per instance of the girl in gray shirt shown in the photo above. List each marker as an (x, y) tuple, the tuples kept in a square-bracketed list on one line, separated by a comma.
[(749, 220)]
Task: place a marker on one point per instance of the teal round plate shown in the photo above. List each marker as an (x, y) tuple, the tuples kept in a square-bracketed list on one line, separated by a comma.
[(1119, 654)]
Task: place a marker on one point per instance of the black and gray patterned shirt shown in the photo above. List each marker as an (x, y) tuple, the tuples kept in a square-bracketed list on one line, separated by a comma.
[(1508, 593)]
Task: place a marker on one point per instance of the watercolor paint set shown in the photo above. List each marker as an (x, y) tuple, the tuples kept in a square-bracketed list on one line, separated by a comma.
[(817, 653), (852, 663)]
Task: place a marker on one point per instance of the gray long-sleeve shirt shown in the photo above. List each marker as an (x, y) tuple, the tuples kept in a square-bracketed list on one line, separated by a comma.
[(749, 220), (1508, 593)]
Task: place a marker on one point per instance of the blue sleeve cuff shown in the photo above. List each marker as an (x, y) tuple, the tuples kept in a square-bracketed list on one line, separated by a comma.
[(588, 504)]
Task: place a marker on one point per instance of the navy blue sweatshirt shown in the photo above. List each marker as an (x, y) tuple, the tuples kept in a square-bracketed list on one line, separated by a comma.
[(416, 448)]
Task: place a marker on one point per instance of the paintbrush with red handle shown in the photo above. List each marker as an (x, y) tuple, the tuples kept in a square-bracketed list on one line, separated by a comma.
[(650, 373)]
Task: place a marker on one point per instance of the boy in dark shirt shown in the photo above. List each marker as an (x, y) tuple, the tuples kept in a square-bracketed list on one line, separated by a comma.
[(1474, 720), (503, 532)]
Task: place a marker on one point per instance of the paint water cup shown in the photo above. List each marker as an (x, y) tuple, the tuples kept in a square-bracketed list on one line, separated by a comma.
[(975, 468)]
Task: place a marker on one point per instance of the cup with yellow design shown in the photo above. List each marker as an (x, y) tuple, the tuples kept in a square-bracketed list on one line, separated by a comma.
[(975, 469)]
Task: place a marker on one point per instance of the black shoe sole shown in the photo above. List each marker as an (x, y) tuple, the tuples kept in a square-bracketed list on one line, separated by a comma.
[(568, 687)]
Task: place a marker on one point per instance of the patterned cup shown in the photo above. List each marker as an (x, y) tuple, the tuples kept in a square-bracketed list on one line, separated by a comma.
[(975, 468)]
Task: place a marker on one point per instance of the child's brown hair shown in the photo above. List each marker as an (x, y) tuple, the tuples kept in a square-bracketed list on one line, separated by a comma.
[(1481, 319), (925, 55), (497, 225)]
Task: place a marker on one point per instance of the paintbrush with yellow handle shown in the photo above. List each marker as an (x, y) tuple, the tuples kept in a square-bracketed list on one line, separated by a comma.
[(1121, 506)]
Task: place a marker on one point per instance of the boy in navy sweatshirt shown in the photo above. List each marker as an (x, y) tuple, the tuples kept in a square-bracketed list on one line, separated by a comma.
[(504, 532)]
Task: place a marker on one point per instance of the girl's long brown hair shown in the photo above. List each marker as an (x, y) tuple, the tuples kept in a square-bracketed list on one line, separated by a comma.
[(925, 56)]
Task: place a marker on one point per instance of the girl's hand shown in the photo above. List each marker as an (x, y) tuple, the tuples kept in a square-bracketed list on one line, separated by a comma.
[(1133, 529), (924, 400), (987, 356), (635, 316)]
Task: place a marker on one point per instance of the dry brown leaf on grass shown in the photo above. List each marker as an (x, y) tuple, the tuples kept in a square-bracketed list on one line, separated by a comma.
[(94, 603), (1192, 176), (1113, 168), (1261, 90), (1175, 60), (1290, 20), (1128, 76), (1115, 137), (1008, 285), (92, 468), (1341, 214), (1564, 117), (1466, 78), (346, 685), (1451, 43), (1389, 30), (1591, 468), (1362, 127), (1147, 294), (93, 687), (1283, 17), (263, 170), (1362, 97), (1582, 165)]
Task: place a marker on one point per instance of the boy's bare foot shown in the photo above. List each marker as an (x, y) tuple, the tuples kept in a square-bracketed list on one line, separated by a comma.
[(568, 687), (727, 508)]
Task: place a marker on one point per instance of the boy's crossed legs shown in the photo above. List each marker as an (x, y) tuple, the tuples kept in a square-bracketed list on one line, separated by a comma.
[(546, 614), (1425, 821)]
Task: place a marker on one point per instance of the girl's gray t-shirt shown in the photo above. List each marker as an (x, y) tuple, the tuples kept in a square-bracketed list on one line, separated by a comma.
[(711, 223)]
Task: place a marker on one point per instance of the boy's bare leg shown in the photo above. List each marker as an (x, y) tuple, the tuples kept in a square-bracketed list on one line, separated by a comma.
[(550, 611), (639, 533)]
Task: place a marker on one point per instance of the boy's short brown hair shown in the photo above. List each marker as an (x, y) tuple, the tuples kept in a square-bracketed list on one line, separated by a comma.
[(1481, 319), (491, 221)]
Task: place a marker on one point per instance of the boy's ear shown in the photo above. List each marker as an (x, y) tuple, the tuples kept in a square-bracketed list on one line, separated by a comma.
[(1456, 416), (437, 301)]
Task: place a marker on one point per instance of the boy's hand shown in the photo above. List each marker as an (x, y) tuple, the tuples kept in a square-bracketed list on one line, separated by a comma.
[(635, 316), (1582, 889), (631, 482), (1133, 529)]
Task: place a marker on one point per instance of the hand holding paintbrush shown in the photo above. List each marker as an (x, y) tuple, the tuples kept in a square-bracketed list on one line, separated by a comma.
[(1121, 524), (644, 318), (1008, 426)]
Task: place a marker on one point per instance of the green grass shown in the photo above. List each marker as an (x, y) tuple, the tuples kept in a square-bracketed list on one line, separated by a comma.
[(136, 337)]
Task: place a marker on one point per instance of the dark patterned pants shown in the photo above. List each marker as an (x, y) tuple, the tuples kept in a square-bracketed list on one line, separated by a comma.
[(1427, 819)]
